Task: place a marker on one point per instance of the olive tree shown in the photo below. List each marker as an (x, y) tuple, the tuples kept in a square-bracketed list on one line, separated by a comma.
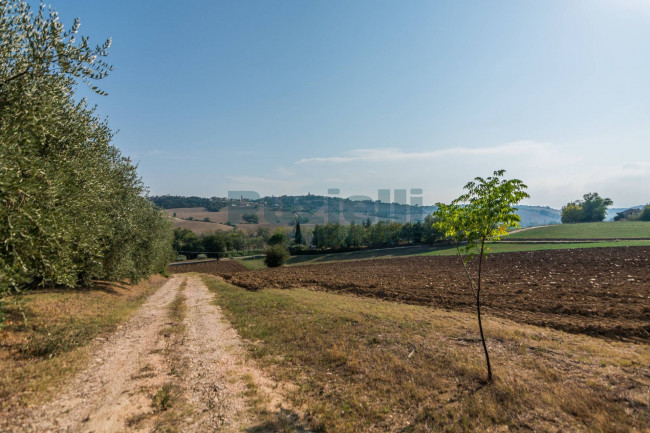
[(475, 219), (72, 207)]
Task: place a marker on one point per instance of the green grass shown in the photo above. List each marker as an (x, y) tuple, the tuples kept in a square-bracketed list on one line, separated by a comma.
[(164, 398), (505, 248), (613, 230), (252, 263), (447, 251), (365, 365), (360, 255)]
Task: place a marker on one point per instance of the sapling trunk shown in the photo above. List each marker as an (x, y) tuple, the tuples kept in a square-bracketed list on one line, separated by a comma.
[(478, 311)]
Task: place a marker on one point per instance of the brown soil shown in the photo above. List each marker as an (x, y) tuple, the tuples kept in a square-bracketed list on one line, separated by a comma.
[(202, 362), (603, 291), (200, 227), (217, 267), (198, 213)]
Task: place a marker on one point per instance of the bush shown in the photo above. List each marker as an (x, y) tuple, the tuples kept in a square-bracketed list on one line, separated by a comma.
[(201, 257), (645, 214), (277, 238), (250, 218), (245, 253), (180, 258), (297, 249), (572, 213), (276, 256)]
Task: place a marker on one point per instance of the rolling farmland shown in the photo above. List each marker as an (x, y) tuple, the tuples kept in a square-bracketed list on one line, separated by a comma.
[(602, 291), (599, 230)]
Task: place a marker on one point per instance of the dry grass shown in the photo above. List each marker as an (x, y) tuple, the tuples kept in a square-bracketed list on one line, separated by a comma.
[(200, 227), (276, 421), (177, 310), (198, 213), (252, 264), (371, 365), (43, 349)]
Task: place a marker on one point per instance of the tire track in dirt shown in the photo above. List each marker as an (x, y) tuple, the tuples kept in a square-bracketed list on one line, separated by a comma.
[(116, 392), (217, 377), (115, 385)]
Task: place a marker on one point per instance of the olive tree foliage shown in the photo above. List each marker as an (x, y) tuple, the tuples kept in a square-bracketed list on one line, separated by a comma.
[(480, 216), (72, 208), (37, 45)]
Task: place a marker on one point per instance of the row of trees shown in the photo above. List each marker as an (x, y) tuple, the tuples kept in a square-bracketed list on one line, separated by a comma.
[(72, 208), (213, 204), (218, 243), (381, 234), (327, 236)]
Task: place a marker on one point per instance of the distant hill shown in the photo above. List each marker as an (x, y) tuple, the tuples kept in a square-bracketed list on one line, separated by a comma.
[(315, 209), (538, 215), (611, 212)]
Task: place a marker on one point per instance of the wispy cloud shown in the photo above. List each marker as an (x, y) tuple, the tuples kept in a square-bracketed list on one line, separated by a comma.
[(257, 182), (178, 157), (392, 154), (635, 169)]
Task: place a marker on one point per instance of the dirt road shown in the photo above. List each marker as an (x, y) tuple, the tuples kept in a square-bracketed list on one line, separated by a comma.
[(177, 365)]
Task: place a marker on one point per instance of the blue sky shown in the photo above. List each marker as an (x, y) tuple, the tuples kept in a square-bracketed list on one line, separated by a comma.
[(290, 97)]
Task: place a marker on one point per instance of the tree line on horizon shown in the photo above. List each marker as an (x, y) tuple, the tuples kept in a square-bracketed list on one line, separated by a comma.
[(212, 204), (593, 207)]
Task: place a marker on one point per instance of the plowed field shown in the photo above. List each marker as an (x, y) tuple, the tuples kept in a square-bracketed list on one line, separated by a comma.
[(599, 291), (214, 267)]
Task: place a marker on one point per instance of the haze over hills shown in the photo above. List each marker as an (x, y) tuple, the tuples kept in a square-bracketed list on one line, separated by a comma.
[(309, 209), (611, 212)]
